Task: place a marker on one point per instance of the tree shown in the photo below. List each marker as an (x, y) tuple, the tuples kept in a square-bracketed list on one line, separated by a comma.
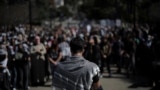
[(124, 9)]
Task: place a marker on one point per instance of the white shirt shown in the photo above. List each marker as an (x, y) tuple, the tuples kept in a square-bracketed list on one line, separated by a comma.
[(4, 64)]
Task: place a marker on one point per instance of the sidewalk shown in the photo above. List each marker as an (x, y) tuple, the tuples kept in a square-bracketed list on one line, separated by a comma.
[(119, 82)]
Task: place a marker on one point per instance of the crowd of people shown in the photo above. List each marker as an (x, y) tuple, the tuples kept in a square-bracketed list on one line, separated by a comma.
[(33, 55)]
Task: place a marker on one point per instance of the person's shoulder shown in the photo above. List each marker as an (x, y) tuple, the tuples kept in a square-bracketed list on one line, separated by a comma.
[(91, 66), (90, 63), (41, 44)]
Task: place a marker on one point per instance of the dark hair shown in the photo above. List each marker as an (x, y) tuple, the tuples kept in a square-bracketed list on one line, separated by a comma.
[(77, 45), (61, 39), (95, 40), (54, 45)]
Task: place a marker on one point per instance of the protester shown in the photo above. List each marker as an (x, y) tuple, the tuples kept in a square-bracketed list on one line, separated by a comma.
[(4, 72), (37, 62), (117, 49), (22, 61), (12, 63), (92, 51), (64, 47), (156, 63), (76, 72), (106, 49), (144, 54), (54, 56)]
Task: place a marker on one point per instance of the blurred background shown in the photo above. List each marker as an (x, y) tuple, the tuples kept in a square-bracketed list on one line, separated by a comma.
[(133, 22), (37, 11)]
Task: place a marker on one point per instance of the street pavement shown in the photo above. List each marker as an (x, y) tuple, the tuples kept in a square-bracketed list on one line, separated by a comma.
[(116, 82)]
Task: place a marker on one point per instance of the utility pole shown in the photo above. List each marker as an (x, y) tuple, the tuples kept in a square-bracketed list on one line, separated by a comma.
[(117, 10), (134, 14), (30, 15)]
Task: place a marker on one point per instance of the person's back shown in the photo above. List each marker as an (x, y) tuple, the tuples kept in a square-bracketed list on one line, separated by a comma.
[(76, 73), (64, 47)]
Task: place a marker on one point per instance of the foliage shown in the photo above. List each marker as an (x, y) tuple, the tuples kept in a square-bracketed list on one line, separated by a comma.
[(43, 8), (123, 9), (143, 10), (63, 10)]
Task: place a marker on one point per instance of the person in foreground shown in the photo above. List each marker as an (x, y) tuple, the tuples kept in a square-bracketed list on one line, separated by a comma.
[(76, 73)]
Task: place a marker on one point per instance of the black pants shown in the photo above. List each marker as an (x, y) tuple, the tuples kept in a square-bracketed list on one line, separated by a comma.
[(156, 74), (23, 74), (37, 71), (106, 61), (13, 72), (4, 81), (118, 60)]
